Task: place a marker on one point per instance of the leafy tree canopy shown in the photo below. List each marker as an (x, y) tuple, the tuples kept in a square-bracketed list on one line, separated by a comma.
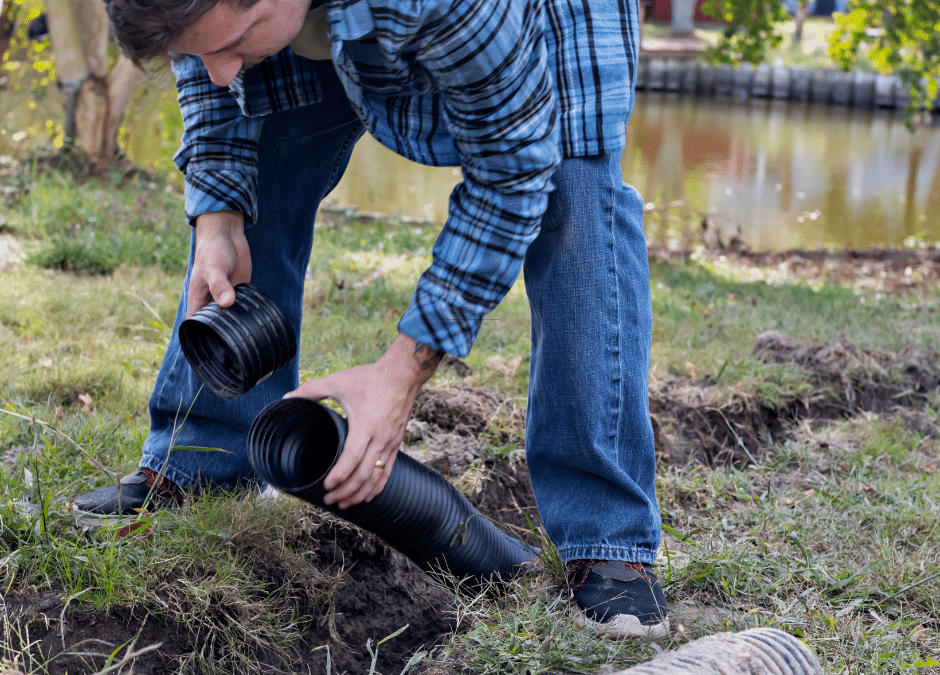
[(898, 36)]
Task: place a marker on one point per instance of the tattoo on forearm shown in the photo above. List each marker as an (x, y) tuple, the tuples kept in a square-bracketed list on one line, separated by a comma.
[(427, 357)]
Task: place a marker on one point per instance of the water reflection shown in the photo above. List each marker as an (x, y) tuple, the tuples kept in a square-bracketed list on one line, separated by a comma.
[(788, 175), (776, 174)]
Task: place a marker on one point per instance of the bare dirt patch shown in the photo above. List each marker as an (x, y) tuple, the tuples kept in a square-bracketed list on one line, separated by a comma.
[(844, 381), (893, 270)]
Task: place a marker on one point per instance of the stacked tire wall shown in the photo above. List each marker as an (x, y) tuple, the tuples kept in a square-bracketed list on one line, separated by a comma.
[(829, 87)]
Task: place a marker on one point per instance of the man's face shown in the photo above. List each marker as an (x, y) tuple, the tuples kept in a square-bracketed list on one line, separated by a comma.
[(230, 39)]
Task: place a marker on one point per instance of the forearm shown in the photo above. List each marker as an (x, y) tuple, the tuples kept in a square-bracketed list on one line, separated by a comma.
[(218, 151), (410, 363)]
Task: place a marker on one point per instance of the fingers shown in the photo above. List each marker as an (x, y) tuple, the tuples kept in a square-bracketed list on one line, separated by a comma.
[(316, 389), (198, 296), (220, 288), (366, 462), (361, 472), (365, 481), (221, 259), (377, 401)]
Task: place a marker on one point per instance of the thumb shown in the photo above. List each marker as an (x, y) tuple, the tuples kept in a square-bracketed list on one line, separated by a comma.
[(316, 389)]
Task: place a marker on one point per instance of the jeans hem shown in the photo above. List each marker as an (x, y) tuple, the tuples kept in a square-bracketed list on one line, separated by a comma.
[(164, 468), (624, 553)]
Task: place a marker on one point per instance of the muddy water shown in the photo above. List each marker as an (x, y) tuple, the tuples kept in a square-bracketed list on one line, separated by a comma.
[(772, 174)]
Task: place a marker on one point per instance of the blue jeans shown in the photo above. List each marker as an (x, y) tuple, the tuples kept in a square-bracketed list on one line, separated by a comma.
[(589, 440)]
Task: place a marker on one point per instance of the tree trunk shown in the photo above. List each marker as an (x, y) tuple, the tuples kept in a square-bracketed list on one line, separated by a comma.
[(799, 20), (94, 98), (683, 14), (7, 25)]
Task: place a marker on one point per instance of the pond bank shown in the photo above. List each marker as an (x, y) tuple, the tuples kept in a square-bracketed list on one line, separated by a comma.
[(814, 85)]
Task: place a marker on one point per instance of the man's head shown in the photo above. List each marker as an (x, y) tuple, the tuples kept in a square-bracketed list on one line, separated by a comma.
[(229, 35)]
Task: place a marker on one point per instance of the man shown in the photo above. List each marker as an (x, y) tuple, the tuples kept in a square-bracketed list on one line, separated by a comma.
[(503, 88)]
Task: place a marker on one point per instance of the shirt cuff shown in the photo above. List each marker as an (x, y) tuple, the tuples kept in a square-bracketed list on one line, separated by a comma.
[(438, 323), (220, 190)]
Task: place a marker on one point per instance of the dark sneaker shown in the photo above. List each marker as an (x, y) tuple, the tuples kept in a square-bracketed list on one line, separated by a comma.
[(143, 490), (622, 599)]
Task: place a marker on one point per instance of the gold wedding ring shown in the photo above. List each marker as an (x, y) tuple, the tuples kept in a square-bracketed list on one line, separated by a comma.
[(380, 464)]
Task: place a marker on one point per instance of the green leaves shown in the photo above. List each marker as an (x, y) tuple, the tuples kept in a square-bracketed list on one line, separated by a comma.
[(897, 36), (752, 32)]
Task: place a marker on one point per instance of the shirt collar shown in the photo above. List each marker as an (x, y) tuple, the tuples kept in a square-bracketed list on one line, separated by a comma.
[(350, 19)]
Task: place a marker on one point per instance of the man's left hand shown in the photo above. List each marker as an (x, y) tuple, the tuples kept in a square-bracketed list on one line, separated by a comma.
[(377, 399)]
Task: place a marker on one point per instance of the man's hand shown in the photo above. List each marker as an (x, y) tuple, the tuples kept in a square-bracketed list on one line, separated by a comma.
[(377, 400), (221, 260)]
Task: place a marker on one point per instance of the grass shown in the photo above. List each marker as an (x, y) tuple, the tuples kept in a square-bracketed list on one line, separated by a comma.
[(830, 534)]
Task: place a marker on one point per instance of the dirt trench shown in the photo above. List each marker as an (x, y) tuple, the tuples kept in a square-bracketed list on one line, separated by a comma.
[(843, 381), (381, 591)]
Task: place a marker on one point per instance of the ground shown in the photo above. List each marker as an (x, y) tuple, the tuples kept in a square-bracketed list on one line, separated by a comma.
[(381, 591)]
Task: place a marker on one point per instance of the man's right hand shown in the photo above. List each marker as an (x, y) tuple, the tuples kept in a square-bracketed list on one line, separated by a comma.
[(221, 260)]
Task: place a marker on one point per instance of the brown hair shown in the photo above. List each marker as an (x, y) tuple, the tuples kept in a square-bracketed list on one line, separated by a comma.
[(146, 28)]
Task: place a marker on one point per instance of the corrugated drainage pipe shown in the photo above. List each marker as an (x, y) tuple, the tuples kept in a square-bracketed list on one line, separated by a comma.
[(232, 350), (758, 651), (293, 444)]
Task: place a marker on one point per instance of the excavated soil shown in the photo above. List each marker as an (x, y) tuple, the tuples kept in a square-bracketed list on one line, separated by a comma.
[(382, 591)]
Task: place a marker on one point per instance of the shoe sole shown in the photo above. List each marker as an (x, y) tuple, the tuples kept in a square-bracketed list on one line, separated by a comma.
[(623, 626)]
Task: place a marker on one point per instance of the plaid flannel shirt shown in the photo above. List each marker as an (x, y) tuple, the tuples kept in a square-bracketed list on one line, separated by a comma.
[(444, 83)]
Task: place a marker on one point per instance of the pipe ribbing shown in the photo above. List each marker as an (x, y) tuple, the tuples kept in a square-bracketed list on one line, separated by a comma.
[(758, 651), (233, 349), (293, 444)]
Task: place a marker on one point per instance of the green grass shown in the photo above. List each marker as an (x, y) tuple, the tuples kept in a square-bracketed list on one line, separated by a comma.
[(77, 224), (708, 316), (830, 535)]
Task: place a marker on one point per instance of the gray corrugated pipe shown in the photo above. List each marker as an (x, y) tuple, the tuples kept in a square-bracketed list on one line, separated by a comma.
[(293, 444), (758, 651)]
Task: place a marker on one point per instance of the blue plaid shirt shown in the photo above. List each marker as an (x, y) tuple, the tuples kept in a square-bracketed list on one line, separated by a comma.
[(444, 83)]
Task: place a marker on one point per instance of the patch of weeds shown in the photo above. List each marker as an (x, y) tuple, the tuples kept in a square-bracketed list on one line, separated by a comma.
[(707, 317), (26, 322), (93, 227), (227, 574), (528, 631), (81, 387), (835, 552), (771, 385), (96, 253), (504, 435), (89, 254), (889, 438)]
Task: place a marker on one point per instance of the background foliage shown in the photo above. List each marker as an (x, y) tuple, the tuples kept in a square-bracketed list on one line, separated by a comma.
[(896, 36)]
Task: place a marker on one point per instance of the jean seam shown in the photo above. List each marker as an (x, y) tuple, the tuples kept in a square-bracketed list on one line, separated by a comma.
[(617, 349), (342, 154)]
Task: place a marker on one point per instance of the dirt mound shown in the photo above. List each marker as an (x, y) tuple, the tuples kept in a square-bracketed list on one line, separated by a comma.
[(890, 270), (375, 590), (844, 380)]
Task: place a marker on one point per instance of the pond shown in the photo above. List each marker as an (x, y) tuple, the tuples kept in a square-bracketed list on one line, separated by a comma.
[(772, 174)]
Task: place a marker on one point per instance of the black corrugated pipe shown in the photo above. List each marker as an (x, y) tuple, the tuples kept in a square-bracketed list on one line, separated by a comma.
[(234, 349), (293, 444)]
